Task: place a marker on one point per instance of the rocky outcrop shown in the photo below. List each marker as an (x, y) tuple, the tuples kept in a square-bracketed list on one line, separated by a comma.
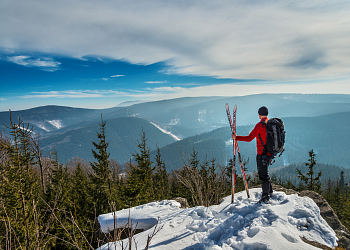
[(327, 214), (331, 218), (282, 189), (182, 201)]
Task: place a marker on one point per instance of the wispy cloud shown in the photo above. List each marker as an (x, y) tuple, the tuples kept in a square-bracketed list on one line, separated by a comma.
[(74, 94), (117, 75), (45, 63), (156, 82), (283, 39), (3, 99)]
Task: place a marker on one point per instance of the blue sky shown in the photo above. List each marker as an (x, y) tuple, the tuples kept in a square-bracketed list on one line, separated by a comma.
[(97, 54)]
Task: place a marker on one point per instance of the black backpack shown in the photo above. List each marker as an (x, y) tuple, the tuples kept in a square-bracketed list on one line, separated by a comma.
[(275, 137)]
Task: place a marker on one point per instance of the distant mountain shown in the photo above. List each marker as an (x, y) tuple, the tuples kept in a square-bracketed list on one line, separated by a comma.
[(312, 121), (122, 134), (184, 116), (50, 118), (327, 135)]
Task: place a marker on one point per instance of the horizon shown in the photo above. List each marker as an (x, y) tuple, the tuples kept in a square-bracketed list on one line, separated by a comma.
[(135, 102), (97, 55)]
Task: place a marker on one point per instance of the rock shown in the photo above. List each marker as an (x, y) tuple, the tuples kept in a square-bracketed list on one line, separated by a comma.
[(285, 190), (182, 201), (330, 217), (327, 214)]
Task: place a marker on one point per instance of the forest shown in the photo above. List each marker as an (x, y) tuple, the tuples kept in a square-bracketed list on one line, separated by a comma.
[(45, 204)]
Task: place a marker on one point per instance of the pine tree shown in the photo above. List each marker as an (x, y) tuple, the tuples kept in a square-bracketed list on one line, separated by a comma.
[(101, 176), (117, 186), (81, 199), (58, 197), (342, 181), (20, 188), (161, 179), (312, 182), (139, 187)]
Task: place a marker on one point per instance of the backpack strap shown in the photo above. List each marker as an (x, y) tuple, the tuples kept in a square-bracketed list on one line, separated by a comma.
[(261, 141)]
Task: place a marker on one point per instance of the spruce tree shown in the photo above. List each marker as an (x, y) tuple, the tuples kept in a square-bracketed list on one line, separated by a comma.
[(20, 189), (58, 197), (139, 189), (312, 182), (342, 181), (101, 176), (161, 179), (81, 199)]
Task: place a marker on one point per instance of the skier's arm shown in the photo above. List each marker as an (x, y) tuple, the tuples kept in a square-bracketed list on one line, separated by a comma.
[(249, 137)]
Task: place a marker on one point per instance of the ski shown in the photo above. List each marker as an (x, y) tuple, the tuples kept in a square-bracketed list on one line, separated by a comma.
[(242, 169), (236, 151), (240, 158), (233, 130)]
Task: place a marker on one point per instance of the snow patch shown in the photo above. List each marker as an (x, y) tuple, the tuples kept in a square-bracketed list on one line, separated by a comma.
[(174, 121), (42, 126), (229, 143), (25, 129), (202, 115), (166, 132), (56, 123), (241, 225)]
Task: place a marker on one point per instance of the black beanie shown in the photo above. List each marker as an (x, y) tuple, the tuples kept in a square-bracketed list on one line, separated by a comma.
[(263, 111)]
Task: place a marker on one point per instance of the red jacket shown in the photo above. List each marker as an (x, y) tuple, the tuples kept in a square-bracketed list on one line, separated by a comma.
[(259, 128)]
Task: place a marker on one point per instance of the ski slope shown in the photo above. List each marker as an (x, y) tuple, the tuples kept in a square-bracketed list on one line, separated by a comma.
[(242, 225)]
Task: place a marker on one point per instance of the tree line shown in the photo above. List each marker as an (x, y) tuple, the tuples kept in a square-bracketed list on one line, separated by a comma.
[(45, 204)]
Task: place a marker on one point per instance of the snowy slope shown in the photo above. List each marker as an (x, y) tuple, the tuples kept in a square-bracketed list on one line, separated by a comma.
[(242, 225)]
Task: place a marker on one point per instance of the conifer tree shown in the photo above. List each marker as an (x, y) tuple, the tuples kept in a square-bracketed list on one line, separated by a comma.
[(58, 197), (161, 179), (342, 181), (139, 188), (117, 186), (312, 182), (101, 176), (20, 188), (81, 200)]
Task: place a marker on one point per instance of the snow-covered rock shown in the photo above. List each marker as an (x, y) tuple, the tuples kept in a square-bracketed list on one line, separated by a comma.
[(242, 225)]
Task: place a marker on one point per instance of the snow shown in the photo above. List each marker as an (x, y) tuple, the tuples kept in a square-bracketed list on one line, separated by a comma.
[(25, 129), (56, 123), (43, 127), (242, 225), (175, 121), (166, 132), (229, 143), (202, 115)]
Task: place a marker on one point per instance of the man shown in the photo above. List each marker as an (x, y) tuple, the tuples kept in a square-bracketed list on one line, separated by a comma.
[(263, 158)]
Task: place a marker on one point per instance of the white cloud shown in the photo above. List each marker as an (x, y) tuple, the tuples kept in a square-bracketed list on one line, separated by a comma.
[(156, 82), (74, 94), (333, 86), (229, 39), (117, 75), (45, 63), (3, 99)]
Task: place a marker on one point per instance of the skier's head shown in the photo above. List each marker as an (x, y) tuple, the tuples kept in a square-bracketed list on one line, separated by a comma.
[(263, 111)]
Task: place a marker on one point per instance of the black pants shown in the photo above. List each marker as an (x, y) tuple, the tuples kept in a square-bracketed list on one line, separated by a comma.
[(262, 162)]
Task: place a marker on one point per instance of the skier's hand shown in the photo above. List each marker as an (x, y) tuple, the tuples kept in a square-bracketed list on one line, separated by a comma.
[(234, 136)]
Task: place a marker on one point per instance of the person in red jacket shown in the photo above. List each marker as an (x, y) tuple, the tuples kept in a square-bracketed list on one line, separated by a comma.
[(262, 158)]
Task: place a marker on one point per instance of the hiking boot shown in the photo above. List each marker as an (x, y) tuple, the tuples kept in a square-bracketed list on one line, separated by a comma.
[(264, 199)]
